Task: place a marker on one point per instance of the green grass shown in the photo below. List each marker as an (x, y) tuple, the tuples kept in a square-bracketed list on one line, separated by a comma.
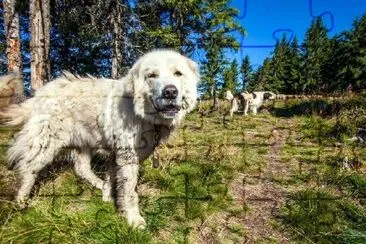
[(198, 194), (70, 221), (317, 215)]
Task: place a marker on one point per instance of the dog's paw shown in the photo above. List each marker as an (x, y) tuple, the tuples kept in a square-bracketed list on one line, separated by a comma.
[(107, 198), (22, 202), (107, 193), (136, 221)]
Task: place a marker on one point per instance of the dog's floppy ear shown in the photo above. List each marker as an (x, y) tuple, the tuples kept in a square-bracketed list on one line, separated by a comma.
[(267, 95), (132, 77), (193, 66), (254, 95)]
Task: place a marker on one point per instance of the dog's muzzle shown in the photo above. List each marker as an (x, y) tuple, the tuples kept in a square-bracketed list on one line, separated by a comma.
[(170, 108), (167, 104)]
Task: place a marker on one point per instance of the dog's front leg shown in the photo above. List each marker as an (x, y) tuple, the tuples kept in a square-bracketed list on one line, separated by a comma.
[(246, 107), (254, 110), (126, 181)]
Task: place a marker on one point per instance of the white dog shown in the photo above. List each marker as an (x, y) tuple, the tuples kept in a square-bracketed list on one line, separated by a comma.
[(234, 101), (255, 100), (128, 117), (247, 100)]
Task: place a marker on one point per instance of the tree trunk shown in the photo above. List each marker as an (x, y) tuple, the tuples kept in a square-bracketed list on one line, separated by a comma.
[(40, 42), (11, 21), (215, 105), (117, 40)]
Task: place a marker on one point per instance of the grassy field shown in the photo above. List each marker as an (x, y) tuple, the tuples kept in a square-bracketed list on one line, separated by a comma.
[(278, 177)]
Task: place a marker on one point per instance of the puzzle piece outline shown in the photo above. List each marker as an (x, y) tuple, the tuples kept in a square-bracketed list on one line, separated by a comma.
[(279, 30)]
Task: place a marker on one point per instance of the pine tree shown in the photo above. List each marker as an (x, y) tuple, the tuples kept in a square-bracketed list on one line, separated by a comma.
[(345, 67), (286, 66), (294, 79), (253, 83), (357, 37), (337, 69), (212, 67), (83, 43), (315, 55), (279, 66), (104, 35), (3, 66), (216, 37), (230, 78), (117, 38), (281, 72), (12, 32), (155, 25), (246, 71), (171, 24), (40, 42), (185, 19), (263, 77)]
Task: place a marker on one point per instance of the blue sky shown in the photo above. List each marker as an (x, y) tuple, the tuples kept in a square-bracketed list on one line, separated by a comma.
[(261, 18)]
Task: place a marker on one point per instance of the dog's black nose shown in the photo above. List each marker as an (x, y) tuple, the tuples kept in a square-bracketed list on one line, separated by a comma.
[(170, 92)]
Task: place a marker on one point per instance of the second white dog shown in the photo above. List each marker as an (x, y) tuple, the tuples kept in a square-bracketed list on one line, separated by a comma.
[(252, 101)]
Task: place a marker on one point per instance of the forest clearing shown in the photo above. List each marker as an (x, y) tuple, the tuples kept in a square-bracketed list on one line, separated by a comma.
[(293, 173)]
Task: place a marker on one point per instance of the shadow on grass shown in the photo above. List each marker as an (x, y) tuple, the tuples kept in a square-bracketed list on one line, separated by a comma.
[(324, 107), (312, 107)]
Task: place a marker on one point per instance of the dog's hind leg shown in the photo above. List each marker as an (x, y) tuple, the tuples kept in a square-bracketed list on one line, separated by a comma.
[(27, 181), (83, 169), (30, 165), (35, 147)]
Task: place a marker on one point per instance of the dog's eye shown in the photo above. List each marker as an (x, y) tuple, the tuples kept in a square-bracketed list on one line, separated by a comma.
[(178, 73), (152, 75)]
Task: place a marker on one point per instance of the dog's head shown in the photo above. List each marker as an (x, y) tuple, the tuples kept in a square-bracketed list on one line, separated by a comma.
[(228, 95), (164, 86), (269, 96)]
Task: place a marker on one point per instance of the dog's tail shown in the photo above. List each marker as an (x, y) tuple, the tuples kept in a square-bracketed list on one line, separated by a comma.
[(12, 82), (15, 114), (12, 89)]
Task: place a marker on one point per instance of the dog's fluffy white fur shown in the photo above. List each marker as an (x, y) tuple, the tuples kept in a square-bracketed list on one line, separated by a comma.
[(128, 117), (252, 101)]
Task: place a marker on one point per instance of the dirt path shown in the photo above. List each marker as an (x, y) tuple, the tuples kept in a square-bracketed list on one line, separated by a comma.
[(263, 196)]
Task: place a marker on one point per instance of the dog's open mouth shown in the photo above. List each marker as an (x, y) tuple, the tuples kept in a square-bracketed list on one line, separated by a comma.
[(170, 110)]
